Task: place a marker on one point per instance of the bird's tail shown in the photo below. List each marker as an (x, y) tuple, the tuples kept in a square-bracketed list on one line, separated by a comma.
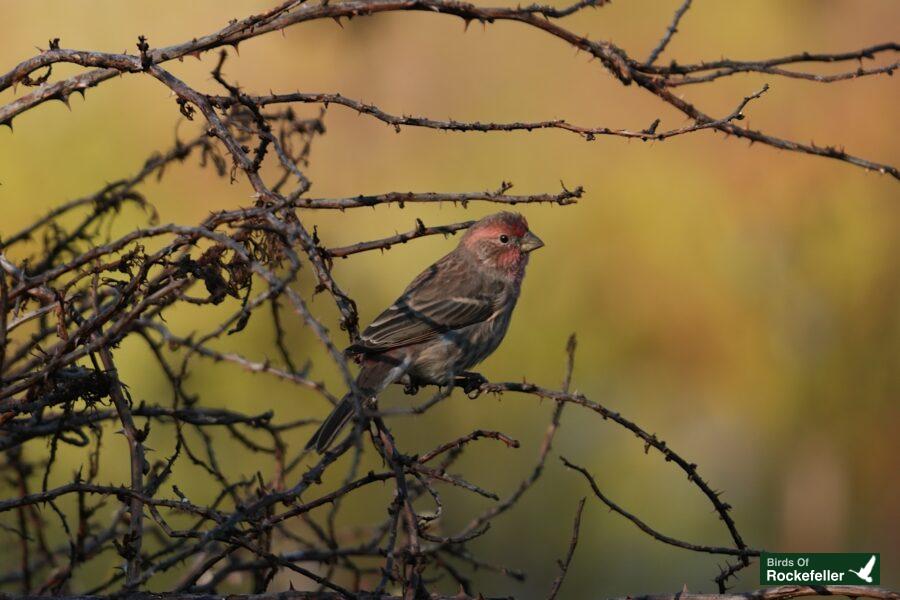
[(376, 374), (332, 425)]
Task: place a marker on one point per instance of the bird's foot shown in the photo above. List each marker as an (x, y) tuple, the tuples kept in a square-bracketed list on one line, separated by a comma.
[(471, 383)]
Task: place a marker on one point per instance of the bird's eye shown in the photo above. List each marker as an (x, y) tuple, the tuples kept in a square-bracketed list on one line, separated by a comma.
[(504, 239)]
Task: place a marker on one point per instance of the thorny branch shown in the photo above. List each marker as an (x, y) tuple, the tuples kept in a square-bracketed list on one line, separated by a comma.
[(672, 29), (70, 294)]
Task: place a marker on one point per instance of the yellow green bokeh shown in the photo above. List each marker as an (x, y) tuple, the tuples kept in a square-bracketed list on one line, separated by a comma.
[(741, 302)]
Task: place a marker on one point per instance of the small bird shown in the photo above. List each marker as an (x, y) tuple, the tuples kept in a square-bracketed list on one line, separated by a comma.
[(449, 319)]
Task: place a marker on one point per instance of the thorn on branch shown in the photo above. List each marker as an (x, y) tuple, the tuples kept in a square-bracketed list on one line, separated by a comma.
[(187, 109), (144, 48)]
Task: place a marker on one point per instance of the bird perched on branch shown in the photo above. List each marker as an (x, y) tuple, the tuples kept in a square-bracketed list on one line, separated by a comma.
[(450, 318)]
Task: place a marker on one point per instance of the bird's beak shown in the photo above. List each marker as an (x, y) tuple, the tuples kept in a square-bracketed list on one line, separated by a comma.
[(530, 242)]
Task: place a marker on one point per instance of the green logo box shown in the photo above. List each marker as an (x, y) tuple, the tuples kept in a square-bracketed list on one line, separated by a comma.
[(799, 568)]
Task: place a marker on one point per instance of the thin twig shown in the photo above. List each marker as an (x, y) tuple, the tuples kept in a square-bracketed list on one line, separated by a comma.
[(564, 564)]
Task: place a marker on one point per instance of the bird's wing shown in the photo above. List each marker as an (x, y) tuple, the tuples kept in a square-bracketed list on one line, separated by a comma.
[(439, 300), (409, 322), (868, 568)]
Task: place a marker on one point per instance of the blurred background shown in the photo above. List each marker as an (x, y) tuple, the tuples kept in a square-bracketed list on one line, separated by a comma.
[(741, 302)]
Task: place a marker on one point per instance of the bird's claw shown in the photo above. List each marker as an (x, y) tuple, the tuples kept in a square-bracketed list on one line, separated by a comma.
[(471, 384)]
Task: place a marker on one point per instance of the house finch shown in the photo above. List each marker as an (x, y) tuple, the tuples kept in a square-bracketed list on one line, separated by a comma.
[(450, 318)]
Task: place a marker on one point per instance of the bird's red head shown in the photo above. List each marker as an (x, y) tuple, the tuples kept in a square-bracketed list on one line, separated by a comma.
[(501, 241)]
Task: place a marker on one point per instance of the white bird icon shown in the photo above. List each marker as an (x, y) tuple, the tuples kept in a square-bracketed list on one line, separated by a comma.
[(866, 572)]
